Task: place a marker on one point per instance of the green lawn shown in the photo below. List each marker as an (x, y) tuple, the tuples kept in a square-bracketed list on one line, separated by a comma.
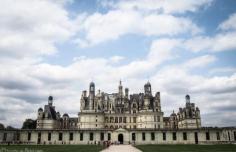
[(52, 148), (187, 148)]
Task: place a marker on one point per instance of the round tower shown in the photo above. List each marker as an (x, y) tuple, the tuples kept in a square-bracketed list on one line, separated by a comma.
[(147, 88), (50, 100), (91, 95)]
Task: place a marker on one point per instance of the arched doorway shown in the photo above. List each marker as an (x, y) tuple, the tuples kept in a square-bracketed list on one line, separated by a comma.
[(121, 138)]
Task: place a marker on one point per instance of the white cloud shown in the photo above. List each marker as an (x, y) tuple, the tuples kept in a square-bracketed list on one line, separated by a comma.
[(229, 24), (116, 59), (200, 61), (32, 27), (164, 6), (217, 43), (112, 25)]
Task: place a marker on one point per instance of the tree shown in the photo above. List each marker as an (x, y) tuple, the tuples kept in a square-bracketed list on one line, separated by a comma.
[(29, 124), (2, 126), (10, 127)]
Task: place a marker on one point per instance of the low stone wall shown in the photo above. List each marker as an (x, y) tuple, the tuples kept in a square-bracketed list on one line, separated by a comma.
[(134, 136)]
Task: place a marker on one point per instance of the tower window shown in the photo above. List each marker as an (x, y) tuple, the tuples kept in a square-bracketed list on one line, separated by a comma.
[(134, 119)]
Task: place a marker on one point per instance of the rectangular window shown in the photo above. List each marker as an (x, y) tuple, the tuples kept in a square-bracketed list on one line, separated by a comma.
[(109, 136), (81, 136), (49, 136), (143, 136), (116, 120), (29, 136), (235, 135), (218, 135), (207, 136), (60, 136), (174, 135), (184, 136), (164, 135), (158, 118), (71, 136), (134, 119), (133, 137), (91, 136), (124, 119), (120, 119), (17, 136), (4, 136), (152, 136), (102, 136)]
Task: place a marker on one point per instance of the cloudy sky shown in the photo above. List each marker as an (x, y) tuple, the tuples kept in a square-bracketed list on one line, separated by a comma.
[(56, 47)]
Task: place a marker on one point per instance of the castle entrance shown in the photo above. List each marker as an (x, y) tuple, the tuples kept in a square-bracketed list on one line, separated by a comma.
[(121, 138)]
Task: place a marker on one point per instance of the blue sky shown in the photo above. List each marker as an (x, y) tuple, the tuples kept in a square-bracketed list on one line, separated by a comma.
[(58, 46)]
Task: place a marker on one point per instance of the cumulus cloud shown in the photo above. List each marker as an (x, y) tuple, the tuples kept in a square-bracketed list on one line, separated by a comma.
[(31, 27), (102, 27), (163, 6), (229, 24)]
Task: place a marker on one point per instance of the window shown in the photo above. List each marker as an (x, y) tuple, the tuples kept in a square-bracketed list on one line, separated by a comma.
[(184, 136), (81, 136), (17, 136), (152, 136), (217, 135), (49, 136), (71, 136), (235, 135), (29, 136), (91, 136), (174, 135), (143, 136), (207, 136), (4, 136), (102, 136), (158, 118), (116, 120), (134, 119), (133, 137), (120, 119), (124, 119), (135, 127), (164, 135), (60, 136), (109, 136)]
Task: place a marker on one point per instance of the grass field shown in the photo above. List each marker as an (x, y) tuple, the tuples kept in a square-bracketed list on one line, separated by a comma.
[(187, 148), (51, 148)]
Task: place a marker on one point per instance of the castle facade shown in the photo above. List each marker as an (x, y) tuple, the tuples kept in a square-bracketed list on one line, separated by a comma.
[(121, 118)]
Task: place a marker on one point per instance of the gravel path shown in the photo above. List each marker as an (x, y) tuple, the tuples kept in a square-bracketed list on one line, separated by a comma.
[(121, 148)]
